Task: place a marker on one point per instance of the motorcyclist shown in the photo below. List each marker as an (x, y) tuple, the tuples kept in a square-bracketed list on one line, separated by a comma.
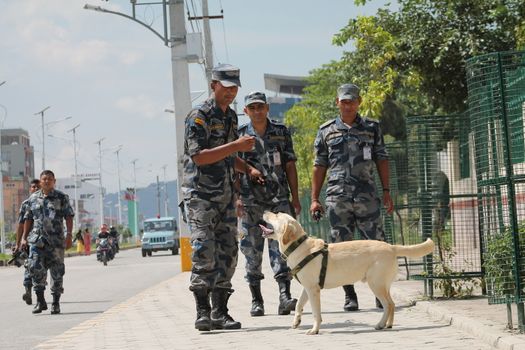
[(113, 233), (104, 233)]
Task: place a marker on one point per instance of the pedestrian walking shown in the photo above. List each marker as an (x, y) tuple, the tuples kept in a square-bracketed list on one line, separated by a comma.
[(211, 143), (44, 232), (27, 283), (348, 147), (79, 239), (87, 241), (274, 156)]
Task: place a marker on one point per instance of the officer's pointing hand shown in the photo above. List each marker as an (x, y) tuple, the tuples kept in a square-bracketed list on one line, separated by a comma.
[(245, 143)]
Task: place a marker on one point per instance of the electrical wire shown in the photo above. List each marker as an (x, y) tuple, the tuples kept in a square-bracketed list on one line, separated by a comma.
[(224, 33)]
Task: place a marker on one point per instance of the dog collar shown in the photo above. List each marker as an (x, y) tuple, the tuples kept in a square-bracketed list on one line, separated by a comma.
[(294, 246)]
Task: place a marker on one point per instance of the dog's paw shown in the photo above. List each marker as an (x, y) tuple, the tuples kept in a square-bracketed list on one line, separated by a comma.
[(296, 321), (312, 331)]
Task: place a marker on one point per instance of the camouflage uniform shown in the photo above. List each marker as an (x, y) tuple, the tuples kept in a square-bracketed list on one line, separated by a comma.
[(27, 274), (208, 197), (46, 239), (270, 155), (350, 153)]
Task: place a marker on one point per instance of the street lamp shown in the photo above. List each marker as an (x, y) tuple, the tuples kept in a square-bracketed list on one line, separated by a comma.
[(119, 188), (75, 181), (166, 211), (2, 226), (43, 137), (136, 199), (2, 83), (101, 204)]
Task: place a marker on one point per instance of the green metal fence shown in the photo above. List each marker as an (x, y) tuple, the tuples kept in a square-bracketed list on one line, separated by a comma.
[(496, 84)]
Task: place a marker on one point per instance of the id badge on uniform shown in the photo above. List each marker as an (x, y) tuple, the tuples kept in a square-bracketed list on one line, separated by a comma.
[(277, 158), (367, 153)]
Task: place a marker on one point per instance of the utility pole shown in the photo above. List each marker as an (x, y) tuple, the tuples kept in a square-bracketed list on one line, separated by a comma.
[(101, 204), (119, 221), (135, 197), (166, 200), (208, 51), (43, 137), (75, 181), (158, 196)]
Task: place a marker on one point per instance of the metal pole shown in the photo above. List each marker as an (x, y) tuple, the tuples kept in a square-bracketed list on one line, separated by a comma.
[(182, 102), (43, 137), (75, 181), (208, 52), (2, 226), (166, 200), (119, 188), (136, 197), (101, 204), (158, 196)]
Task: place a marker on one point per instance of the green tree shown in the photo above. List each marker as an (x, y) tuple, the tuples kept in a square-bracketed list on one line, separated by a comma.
[(407, 62)]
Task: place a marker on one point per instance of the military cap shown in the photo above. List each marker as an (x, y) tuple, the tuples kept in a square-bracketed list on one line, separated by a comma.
[(255, 97), (348, 92), (226, 74)]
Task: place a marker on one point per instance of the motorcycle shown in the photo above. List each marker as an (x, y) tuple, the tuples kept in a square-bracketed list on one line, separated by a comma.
[(104, 250)]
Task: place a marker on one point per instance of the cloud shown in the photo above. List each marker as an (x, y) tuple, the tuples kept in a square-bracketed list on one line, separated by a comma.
[(141, 105)]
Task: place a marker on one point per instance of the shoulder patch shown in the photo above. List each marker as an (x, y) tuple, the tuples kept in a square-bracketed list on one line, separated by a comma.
[(325, 124), (199, 121)]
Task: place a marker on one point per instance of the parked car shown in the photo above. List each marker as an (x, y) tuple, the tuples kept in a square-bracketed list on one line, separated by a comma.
[(160, 234)]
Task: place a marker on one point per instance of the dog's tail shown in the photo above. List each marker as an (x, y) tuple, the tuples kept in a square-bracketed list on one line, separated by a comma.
[(416, 250)]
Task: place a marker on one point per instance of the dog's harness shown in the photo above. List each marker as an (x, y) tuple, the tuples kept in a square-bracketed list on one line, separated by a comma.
[(308, 258)]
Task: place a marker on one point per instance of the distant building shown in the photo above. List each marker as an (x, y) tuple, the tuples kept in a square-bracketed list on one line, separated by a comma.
[(88, 197), (18, 169), (288, 91)]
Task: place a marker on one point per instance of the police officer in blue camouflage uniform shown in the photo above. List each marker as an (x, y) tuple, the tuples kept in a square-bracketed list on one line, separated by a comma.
[(211, 143), (349, 147), (274, 156), (44, 232), (28, 283)]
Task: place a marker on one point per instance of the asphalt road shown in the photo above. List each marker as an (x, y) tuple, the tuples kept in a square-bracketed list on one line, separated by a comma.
[(90, 289)]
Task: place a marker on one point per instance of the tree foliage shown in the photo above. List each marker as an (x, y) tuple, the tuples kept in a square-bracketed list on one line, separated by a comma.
[(410, 61)]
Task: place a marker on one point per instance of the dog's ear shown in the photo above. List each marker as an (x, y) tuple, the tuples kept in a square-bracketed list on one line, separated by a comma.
[(289, 234)]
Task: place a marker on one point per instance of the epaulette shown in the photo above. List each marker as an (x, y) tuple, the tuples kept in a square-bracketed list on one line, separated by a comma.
[(243, 126), (204, 108), (277, 122), (325, 124)]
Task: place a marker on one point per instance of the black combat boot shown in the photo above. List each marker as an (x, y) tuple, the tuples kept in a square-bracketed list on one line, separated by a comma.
[(257, 300), (55, 307), (27, 296), (220, 319), (286, 303), (351, 303), (41, 304), (202, 302), (378, 304)]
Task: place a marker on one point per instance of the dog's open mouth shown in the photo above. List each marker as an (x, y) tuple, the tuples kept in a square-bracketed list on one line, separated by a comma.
[(266, 232)]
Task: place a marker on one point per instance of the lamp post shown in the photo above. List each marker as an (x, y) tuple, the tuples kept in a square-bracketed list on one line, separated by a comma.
[(43, 137), (101, 204), (75, 181), (2, 226), (135, 198), (166, 211), (119, 221)]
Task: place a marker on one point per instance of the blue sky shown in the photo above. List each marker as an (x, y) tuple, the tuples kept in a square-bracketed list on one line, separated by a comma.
[(113, 77)]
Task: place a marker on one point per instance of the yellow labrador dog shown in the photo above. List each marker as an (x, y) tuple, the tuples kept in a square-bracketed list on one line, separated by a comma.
[(346, 263)]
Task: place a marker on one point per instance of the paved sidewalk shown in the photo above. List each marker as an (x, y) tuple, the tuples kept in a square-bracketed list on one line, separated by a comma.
[(162, 317)]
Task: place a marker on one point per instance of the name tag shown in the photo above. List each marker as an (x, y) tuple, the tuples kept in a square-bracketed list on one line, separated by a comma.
[(277, 158), (367, 153)]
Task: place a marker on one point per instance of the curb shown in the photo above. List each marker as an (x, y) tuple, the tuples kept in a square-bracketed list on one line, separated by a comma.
[(471, 326)]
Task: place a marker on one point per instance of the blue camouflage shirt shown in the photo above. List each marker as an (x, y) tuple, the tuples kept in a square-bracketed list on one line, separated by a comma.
[(48, 214), (271, 153), (207, 127), (22, 211), (349, 153)]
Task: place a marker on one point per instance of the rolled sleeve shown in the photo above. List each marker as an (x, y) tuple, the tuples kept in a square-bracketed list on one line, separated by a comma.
[(289, 153), (68, 210), (195, 133), (379, 151), (320, 150)]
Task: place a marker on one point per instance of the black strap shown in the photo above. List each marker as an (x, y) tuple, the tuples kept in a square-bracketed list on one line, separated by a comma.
[(293, 246), (307, 259)]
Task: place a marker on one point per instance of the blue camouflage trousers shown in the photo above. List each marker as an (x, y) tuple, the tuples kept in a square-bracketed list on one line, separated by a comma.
[(28, 282), (213, 228), (43, 259), (252, 244), (362, 211)]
